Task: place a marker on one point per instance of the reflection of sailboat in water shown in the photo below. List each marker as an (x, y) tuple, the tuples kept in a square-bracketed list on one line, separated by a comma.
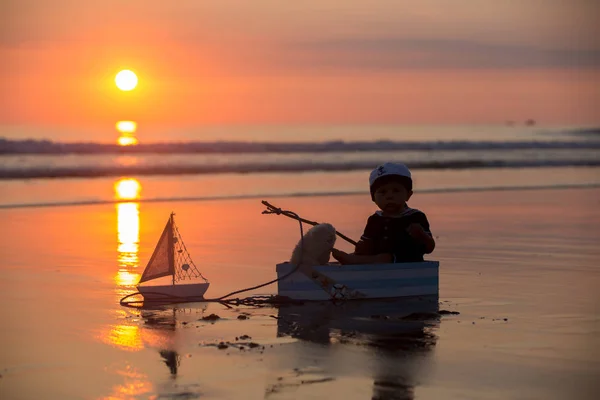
[(171, 274), (160, 330), (399, 331), (163, 322), (172, 359)]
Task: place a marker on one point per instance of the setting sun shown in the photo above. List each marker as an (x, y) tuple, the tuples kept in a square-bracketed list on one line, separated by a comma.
[(126, 80)]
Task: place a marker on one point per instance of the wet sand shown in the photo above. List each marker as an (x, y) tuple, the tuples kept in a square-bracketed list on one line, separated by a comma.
[(521, 268)]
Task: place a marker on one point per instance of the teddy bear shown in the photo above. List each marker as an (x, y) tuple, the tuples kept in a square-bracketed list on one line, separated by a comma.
[(315, 246)]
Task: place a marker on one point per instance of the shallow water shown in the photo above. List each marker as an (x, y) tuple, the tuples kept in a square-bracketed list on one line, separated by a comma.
[(519, 266), (71, 192)]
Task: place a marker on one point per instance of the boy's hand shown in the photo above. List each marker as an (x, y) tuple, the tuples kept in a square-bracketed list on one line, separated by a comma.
[(363, 247), (416, 231), (339, 255)]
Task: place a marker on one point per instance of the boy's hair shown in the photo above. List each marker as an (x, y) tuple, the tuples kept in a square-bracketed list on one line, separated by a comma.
[(387, 173)]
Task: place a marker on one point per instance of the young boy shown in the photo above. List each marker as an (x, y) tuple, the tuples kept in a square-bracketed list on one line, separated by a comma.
[(396, 233)]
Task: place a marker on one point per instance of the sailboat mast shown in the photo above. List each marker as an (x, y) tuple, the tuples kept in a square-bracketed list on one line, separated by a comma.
[(172, 247)]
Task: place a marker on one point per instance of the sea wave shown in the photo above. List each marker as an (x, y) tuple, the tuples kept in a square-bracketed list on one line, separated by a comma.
[(11, 147), (589, 132), (293, 194), (268, 167)]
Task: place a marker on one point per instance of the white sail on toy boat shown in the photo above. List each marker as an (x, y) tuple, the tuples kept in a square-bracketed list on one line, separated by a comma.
[(171, 274)]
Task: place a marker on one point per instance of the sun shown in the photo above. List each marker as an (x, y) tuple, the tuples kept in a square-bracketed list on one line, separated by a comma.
[(126, 80)]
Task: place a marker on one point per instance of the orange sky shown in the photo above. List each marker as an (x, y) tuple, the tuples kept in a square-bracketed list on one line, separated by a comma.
[(318, 61)]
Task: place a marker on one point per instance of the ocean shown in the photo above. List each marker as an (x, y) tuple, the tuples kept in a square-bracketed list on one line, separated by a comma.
[(240, 162), (514, 211)]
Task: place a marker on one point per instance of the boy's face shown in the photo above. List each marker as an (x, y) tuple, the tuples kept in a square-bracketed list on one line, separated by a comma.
[(392, 197)]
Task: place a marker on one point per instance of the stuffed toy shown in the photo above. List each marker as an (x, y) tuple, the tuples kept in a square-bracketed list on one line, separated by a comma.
[(315, 247)]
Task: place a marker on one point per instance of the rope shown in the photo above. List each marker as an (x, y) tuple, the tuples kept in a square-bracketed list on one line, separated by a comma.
[(271, 209), (257, 300), (251, 300), (277, 279)]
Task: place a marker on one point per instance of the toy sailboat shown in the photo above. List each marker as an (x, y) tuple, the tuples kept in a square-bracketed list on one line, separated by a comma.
[(171, 274)]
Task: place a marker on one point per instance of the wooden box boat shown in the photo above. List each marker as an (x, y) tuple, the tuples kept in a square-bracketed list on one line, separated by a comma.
[(376, 281)]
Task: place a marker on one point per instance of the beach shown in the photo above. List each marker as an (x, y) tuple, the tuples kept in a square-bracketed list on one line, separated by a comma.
[(518, 266), (141, 143)]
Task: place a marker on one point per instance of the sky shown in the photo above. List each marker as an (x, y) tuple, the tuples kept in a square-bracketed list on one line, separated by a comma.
[(232, 62)]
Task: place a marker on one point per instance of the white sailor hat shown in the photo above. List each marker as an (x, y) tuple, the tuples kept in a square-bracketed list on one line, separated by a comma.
[(389, 169)]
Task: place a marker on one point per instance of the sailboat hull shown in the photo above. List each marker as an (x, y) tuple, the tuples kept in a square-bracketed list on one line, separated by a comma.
[(191, 291)]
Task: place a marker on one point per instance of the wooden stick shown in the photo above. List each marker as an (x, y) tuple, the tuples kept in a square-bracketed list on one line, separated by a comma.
[(271, 209)]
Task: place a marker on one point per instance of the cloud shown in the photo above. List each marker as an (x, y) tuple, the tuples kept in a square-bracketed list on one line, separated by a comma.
[(399, 53)]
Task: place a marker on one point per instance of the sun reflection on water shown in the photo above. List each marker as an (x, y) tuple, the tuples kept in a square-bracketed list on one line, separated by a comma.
[(127, 189), (128, 240), (126, 126), (128, 232), (127, 141), (125, 337), (135, 385), (127, 133), (126, 278)]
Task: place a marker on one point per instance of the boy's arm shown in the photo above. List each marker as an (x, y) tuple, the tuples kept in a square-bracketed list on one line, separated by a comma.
[(421, 232), (417, 231), (346, 258), (365, 244)]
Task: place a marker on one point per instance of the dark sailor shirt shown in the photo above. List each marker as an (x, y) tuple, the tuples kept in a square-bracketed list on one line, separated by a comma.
[(390, 235)]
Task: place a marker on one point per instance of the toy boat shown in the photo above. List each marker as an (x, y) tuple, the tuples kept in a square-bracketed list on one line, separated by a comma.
[(171, 274), (348, 282)]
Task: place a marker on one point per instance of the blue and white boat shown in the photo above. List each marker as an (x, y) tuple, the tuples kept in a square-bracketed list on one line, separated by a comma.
[(373, 281)]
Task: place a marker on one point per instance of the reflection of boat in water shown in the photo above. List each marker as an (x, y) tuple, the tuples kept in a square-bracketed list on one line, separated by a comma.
[(368, 317), (171, 274), (159, 331), (400, 332), (163, 323)]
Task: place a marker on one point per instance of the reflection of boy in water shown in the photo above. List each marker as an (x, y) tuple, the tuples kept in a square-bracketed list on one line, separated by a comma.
[(399, 333), (396, 233), (405, 353)]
